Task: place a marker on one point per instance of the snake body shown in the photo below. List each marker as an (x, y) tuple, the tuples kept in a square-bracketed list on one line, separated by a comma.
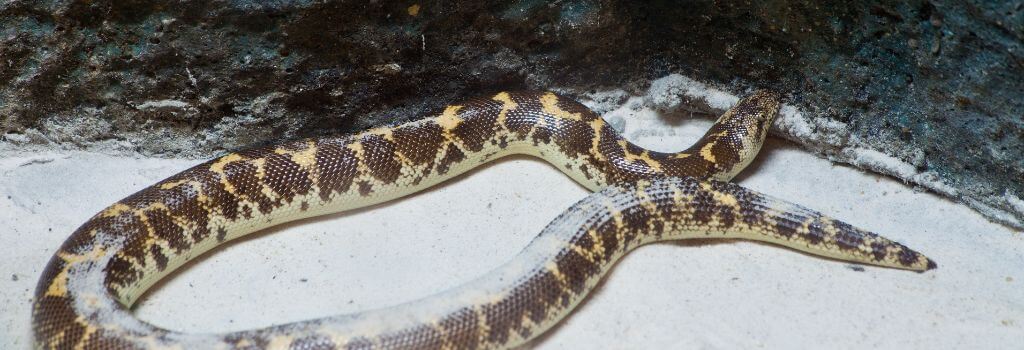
[(85, 293)]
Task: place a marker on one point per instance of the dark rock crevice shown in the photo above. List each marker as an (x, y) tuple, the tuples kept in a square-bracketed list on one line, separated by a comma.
[(938, 85)]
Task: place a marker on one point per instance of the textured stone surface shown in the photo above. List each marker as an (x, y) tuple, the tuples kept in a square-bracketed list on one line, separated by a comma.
[(932, 92)]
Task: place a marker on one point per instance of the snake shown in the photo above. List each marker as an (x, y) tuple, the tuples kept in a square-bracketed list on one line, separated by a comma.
[(86, 292)]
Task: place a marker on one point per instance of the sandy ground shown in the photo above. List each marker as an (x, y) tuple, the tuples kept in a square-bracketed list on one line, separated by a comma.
[(683, 295)]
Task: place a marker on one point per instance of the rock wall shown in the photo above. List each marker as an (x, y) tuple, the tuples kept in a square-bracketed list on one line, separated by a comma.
[(929, 91)]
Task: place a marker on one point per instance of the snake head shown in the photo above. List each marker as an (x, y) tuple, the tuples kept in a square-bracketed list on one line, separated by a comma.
[(754, 114), (736, 137)]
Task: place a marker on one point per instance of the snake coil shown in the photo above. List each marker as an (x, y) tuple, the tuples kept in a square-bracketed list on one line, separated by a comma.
[(85, 293)]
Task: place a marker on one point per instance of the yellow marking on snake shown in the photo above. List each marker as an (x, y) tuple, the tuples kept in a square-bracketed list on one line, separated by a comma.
[(549, 102), (506, 105), (450, 118), (59, 286), (707, 153)]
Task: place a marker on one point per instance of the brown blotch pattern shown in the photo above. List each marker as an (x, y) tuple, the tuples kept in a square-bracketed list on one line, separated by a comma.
[(419, 143), (218, 198), (286, 178), (337, 167), (365, 188), (312, 342), (242, 175), (462, 328), (478, 124), (575, 138), (164, 228), (452, 155), (53, 318), (380, 158)]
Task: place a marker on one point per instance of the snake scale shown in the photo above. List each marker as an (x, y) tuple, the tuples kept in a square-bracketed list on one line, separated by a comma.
[(84, 296)]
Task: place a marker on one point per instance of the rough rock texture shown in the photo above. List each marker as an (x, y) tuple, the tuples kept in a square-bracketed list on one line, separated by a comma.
[(929, 91)]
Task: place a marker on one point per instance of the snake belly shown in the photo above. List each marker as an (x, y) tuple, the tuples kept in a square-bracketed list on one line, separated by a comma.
[(84, 296)]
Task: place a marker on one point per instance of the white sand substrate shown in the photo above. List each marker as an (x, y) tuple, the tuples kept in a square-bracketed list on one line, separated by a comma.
[(665, 296)]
